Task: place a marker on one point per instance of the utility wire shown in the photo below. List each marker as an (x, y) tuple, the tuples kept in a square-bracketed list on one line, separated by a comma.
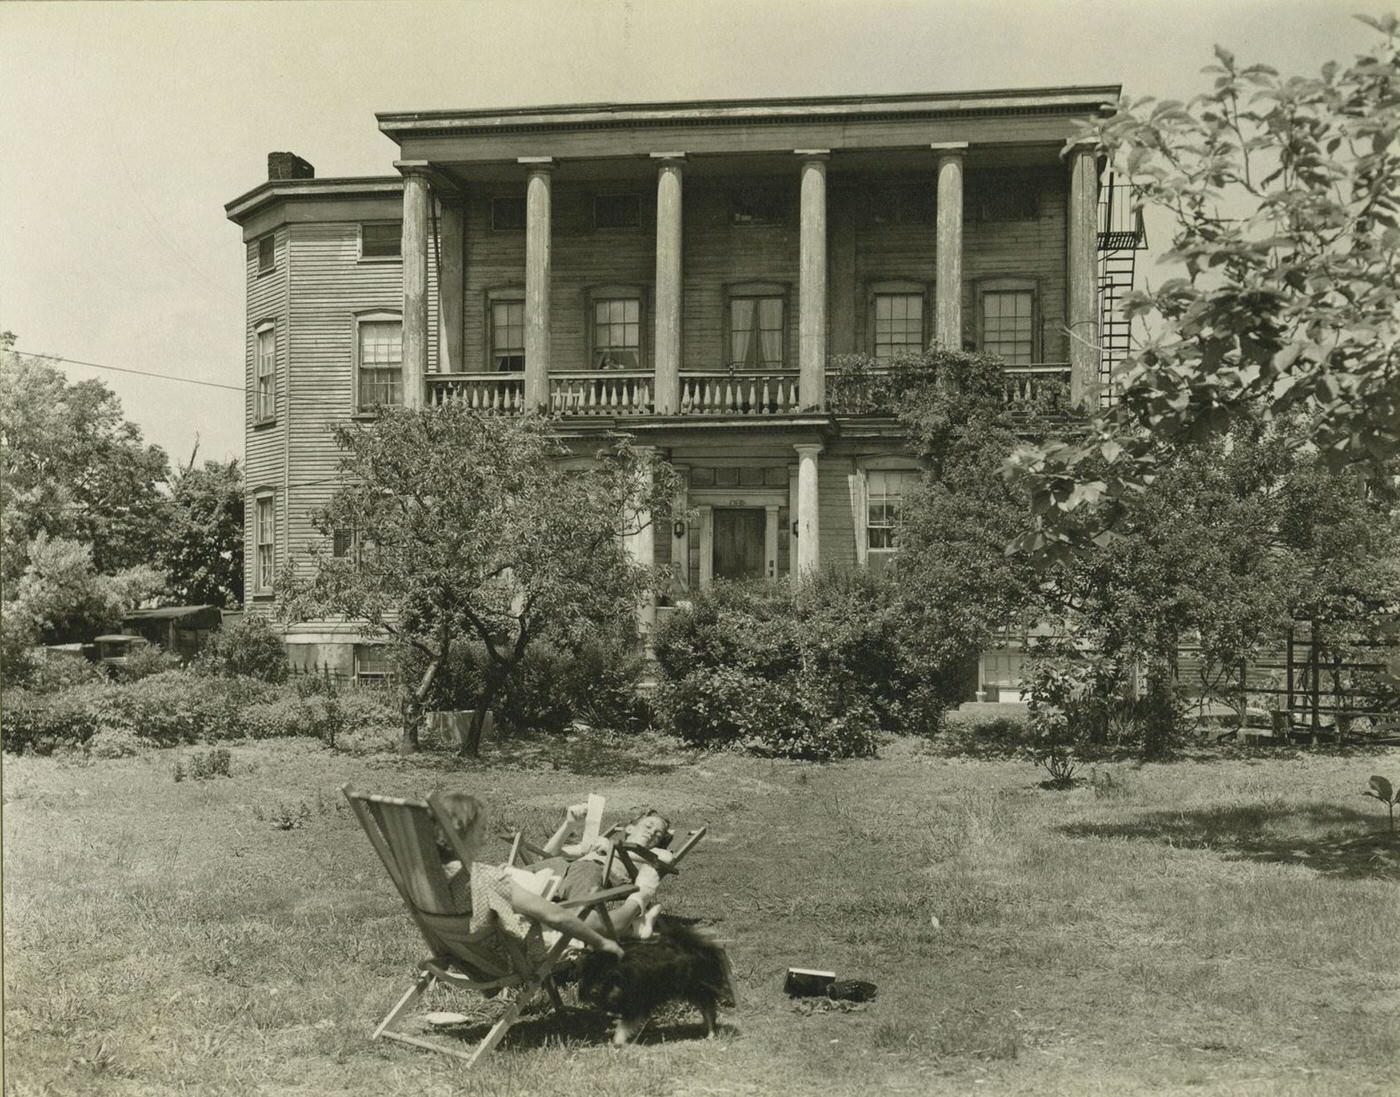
[(120, 369)]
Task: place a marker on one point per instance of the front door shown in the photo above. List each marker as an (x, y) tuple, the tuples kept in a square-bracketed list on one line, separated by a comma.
[(738, 541)]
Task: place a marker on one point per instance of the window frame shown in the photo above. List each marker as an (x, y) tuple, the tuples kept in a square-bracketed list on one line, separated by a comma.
[(264, 537), (896, 287), (773, 196), (511, 294), (605, 196), (883, 554), (264, 400), (360, 319), (1018, 184), (985, 286), (910, 203), (267, 264), (397, 257), (596, 296), (384, 675), (500, 199), (738, 291)]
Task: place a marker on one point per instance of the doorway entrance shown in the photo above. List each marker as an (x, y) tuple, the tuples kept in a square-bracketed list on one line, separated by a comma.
[(739, 542)]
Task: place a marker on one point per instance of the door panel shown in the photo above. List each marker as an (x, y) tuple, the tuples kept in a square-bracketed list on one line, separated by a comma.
[(738, 541)]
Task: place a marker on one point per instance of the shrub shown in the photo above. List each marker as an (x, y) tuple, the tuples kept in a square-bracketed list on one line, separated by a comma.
[(811, 675), (144, 661), (56, 673), (40, 723), (553, 686), (249, 648), (115, 743)]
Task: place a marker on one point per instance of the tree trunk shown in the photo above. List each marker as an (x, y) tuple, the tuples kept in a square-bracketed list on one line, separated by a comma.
[(413, 706), (1159, 710), (492, 681)]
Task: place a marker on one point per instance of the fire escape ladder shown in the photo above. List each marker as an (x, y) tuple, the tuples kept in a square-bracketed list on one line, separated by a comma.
[(1121, 236)]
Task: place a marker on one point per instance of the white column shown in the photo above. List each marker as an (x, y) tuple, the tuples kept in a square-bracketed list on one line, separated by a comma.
[(537, 276), (1081, 262), (451, 302), (667, 356), (947, 309), (705, 516), (811, 286), (680, 542), (808, 510), (770, 540), (414, 246)]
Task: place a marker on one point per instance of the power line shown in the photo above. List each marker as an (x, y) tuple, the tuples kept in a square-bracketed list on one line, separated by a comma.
[(121, 369)]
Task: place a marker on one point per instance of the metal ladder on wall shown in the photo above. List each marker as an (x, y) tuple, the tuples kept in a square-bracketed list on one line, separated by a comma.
[(1121, 237)]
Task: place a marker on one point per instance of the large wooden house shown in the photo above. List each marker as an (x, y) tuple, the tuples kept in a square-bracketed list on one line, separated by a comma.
[(684, 271)]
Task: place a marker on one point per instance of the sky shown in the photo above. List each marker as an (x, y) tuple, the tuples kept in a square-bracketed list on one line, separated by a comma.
[(126, 127)]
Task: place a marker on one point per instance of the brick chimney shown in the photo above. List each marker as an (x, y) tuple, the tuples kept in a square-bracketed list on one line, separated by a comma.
[(288, 165)]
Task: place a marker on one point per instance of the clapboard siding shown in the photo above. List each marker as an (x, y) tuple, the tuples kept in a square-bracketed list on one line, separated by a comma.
[(837, 548), (331, 286), (717, 255), (1032, 249), (264, 442)]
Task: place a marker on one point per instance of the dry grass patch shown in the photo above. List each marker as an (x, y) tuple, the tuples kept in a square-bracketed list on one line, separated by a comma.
[(1224, 928)]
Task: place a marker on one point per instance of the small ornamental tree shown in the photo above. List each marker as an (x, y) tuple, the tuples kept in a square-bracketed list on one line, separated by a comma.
[(202, 553), (467, 526), (1284, 196)]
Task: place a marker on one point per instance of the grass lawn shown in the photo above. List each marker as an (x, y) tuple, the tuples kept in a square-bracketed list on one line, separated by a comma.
[(1221, 928)]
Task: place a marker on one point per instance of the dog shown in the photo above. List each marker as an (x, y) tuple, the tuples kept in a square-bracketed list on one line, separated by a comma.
[(677, 963)]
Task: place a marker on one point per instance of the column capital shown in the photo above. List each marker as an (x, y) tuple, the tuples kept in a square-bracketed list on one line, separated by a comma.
[(812, 154), (949, 148), (413, 167), (808, 449), (668, 157), (537, 163)]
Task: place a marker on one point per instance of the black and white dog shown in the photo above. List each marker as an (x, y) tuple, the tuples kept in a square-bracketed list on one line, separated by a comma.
[(677, 963)]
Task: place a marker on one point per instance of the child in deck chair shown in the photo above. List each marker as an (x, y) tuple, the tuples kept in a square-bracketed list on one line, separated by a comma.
[(637, 914), (488, 891)]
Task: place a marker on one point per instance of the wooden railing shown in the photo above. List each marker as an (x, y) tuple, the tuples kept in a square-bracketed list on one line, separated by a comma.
[(601, 392), (721, 392), (613, 393), (1024, 383), (490, 392)]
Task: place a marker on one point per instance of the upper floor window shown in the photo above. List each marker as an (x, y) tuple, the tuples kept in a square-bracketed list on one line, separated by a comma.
[(897, 321), (267, 253), (381, 240), (508, 212), (265, 375), (904, 204), (264, 542), (1006, 198), (378, 361), (884, 492), (757, 206), (617, 211), (507, 322), (617, 332), (757, 325), (1008, 325)]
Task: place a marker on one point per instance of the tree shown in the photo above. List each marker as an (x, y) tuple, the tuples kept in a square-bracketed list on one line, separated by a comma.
[(466, 525), (61, 598), (74, 468), (1285, 200), (202, 552), (958, 586)]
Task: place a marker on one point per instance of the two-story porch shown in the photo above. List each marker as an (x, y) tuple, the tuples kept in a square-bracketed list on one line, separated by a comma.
[(688, 271)]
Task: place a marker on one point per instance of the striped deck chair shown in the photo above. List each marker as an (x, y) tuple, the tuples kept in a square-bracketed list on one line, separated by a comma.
[(405, 834)]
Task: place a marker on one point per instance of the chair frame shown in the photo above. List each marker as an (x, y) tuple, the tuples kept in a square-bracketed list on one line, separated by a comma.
[(389, 821)]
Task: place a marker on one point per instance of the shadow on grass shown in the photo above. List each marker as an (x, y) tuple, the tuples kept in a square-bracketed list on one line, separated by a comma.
[(587, 754), (1331, 841), (573, 1026)]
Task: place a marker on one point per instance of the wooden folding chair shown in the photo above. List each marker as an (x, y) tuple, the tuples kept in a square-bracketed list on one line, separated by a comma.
[(404, 833)]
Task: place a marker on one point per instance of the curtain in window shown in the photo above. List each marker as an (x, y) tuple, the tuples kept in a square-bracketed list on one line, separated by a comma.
[(758, 332)]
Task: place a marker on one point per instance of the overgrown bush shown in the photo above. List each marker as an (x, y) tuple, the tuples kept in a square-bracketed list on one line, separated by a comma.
[(144, 661), (55, 673), (814, 674), (248, 648), (553, 687)]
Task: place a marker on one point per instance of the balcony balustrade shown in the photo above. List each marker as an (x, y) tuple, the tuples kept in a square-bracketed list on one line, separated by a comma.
[(704, 393)]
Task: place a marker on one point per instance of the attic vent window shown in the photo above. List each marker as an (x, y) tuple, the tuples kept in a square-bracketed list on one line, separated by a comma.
[(1007, 198), (508, 213), (267, 255), (381, 240), (617, 211), (756, 206)]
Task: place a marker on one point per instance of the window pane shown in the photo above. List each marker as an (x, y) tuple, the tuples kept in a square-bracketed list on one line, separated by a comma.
[(1007, 326), (508, 335), (381, 240), (381, 361), (756, 335), (899, 324), (267, 256), (617, 333)]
